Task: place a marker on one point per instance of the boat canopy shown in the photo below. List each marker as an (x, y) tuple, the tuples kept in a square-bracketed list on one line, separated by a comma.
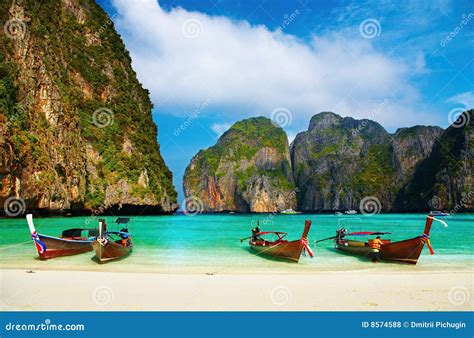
[(77, 232), (278, 233), (122, 220), (272, 232), (121, 234), (366, 233)]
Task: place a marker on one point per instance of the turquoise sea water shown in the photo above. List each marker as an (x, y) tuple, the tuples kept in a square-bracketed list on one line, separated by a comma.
[(210, 243)]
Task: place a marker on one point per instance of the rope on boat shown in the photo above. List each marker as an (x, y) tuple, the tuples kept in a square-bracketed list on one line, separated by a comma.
[(14, 245), (102, 241)]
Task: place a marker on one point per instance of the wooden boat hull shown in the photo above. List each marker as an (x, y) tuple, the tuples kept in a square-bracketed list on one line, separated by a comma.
[(407, 251), (282, 249), (289, 250), (57, 247), (111, 250)]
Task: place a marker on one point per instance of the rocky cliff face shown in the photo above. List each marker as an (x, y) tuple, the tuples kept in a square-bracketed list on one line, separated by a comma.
[(410, 146), (248, 170), (339, 161), (76, 126), (337, 164), (444, 179)]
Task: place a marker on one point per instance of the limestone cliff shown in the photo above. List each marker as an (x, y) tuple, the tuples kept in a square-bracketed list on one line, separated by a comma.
[(444, 180), (248, 170), (339, 161), (76, 127)]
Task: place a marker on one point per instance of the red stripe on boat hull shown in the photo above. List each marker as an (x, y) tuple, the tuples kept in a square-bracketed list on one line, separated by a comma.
[(407, 251), (283, 249), (58, 247), (111, 250)]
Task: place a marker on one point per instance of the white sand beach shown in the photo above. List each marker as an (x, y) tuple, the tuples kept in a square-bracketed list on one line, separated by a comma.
[(333, 291)]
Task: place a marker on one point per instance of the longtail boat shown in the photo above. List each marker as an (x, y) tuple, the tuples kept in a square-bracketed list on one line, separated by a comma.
[(281, 248), (405, 251), (112, 245), (72, 241)]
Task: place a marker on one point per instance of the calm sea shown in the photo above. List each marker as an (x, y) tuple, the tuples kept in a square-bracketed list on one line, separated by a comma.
[(210, 243)]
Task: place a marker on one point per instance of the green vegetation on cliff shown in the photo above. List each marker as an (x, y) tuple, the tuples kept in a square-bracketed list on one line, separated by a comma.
[(241, 142), (444, 179), (82, 66), (248, 169)]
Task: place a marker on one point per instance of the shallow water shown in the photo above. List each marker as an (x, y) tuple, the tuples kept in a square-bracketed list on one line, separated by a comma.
[(210, 243)]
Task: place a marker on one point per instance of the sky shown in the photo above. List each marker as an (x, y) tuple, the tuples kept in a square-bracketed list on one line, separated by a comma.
[(210, 63)]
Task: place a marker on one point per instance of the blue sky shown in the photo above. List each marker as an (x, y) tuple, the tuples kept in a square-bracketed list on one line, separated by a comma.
[(210, 63)]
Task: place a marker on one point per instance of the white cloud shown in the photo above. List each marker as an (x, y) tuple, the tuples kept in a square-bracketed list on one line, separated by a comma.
[(187, 57), (466, 99), (220, 128)]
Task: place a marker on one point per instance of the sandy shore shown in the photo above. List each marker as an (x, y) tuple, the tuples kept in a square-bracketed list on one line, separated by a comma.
[(366, 291)]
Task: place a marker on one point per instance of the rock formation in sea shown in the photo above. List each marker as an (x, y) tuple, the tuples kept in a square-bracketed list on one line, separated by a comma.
[(77, 132), (247, 170), (340, 161)]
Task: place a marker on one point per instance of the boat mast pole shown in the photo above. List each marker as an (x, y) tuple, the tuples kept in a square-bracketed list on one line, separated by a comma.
[(101, 224), (307, 225)]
